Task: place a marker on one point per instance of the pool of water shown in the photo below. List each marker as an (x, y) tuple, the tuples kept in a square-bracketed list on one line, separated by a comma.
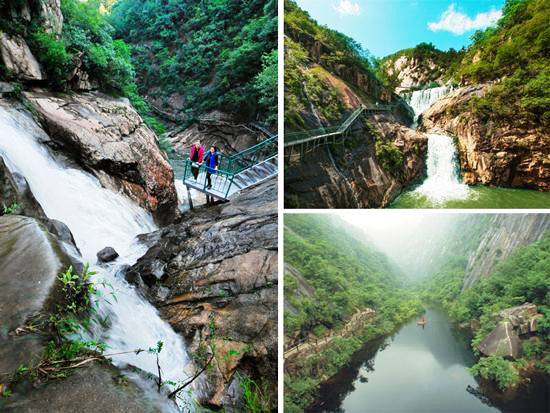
[(419, 370), (478, 197)]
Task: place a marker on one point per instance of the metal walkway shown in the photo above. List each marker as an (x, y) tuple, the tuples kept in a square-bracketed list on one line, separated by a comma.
[(305, 141), (236, 172)]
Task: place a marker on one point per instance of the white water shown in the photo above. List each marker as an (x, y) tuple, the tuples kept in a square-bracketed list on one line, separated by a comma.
[(443, 182), (98, 218), (421, 100)]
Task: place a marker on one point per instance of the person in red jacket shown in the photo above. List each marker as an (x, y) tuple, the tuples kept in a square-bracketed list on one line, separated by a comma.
[(197, 152)]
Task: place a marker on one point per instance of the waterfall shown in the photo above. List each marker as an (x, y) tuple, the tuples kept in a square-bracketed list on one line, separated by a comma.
[(98, 218), (421, 100), (443, 182)]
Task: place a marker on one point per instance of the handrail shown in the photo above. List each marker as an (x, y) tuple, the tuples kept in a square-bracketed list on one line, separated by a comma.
[(294, 138)]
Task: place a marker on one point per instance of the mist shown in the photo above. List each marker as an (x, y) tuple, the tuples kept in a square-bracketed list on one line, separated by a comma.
[(408, 238)]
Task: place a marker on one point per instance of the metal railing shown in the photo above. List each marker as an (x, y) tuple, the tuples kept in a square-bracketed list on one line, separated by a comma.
[(295, 138), (229, 166)]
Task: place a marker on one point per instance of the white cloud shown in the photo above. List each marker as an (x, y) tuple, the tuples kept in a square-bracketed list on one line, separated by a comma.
[(348, 8), (459, 23)]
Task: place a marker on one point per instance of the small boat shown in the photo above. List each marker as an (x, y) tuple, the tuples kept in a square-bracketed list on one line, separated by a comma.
[(422, 322)]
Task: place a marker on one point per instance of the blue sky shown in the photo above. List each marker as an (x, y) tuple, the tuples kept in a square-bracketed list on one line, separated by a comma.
[(386, 26)]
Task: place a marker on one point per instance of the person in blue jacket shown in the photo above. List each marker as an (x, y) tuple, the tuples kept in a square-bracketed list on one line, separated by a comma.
[(211, 160)]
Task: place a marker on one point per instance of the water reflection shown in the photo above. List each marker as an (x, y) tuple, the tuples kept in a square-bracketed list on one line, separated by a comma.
[(420, 370)]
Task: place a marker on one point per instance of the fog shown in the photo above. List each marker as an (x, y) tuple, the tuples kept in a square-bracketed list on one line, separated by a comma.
[(408, 238)]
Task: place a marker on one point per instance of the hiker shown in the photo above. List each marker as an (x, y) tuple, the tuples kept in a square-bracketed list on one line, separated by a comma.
[(212, 161), (197, 152)]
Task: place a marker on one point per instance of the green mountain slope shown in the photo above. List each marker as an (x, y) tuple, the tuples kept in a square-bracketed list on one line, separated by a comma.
[(195, 56), (336, 273)]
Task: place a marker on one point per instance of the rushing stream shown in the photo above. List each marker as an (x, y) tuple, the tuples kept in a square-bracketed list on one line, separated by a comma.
[(419, 370), (98, 218), (443, 188)]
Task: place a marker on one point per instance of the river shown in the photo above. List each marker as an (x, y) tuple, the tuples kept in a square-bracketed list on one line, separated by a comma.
[(443, 187), (419, 370)]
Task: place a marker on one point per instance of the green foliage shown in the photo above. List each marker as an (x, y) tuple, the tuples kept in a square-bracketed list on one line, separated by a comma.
[(10, 209), (214, 54), (515, 53), (266, 84), (343, 274), (431, 62), (255, 400), (53, 55), (497, 369), (523, 277), (390, 155)]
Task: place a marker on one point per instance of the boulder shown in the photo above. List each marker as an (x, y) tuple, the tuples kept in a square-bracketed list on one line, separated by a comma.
[(502, 341), (18, 58), (219, 266), (30, 260), (107, 254), (107, 136), (523, 318)]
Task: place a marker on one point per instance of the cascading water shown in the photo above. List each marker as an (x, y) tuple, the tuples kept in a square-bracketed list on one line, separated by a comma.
[(97, 218), (443, 182), (421, 100)]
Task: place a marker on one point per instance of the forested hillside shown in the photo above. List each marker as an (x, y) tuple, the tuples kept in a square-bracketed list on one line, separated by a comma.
[(194, 56), (518, 278), (338, 274)]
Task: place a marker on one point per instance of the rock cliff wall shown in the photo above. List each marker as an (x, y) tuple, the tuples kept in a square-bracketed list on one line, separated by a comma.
[(213, 277), (510, 155)]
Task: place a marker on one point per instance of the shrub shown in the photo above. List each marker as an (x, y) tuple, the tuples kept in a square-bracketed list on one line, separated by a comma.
[(497, 369)]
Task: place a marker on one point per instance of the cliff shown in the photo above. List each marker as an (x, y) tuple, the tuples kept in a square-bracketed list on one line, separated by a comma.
[(503, 236), (327, 78), (213, 277), (515, 154)]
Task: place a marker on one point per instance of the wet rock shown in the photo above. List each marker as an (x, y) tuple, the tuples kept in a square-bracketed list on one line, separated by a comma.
[(6, 88), (18, 58), (107, 254), (30, 260), (219, 266), (95, 389), (511, 155), (106, 135), (502, 341), (16, 198)]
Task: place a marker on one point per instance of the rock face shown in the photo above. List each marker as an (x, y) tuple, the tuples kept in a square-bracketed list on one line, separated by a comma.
[(413, 73), (352, 175), (217, 271), (229, 138), (523, 318), (52, 18), (15, 194), (30, 260), (511, 155), (106, 136), (18, 58), (502, 341), (505, 234)]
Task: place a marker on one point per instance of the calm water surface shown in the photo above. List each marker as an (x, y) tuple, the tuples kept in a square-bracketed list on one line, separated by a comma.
[(418, 370), (479, 197)]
